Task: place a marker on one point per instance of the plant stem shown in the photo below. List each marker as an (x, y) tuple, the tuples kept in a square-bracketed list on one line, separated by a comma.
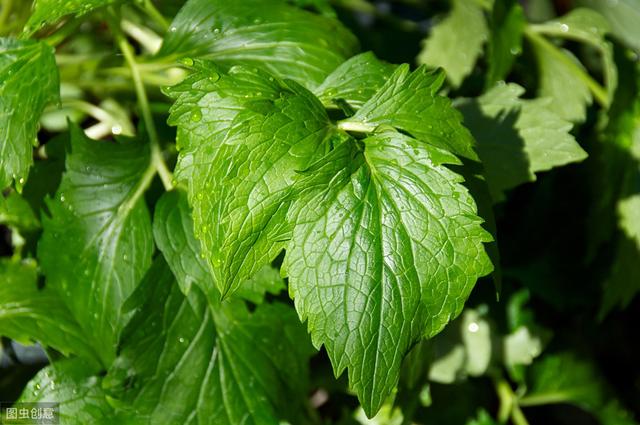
[(550, 398), (155, 14), (599, 93), (6, 11), (509, 406), (355, 126), (156, 153)]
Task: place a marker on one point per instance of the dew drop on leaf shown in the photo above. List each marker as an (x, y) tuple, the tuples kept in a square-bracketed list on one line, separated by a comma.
[(196, 115)]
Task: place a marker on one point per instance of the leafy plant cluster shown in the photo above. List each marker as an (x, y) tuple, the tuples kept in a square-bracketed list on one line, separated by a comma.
[(236, 212)]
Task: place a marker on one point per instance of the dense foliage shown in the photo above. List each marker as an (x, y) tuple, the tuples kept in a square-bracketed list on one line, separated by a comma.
[(321, 212)]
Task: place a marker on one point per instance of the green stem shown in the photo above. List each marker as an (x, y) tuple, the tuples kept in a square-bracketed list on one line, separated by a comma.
[(540, 399), (156, 153), (88, 108), (355, 126), (6, 10), (599, 93), (509, 407), (155, 14)]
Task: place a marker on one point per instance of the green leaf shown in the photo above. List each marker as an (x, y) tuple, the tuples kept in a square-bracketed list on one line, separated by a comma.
[(506, 26), (558, 81), (222, 365), (270, 34), (623, 17), (562, 77), (483, 418), (173, 232), (456, 42), (100, 218), (15, 211), (617, 174), (47, 12), (386, 248), (243, 138), (355, 81), (409, 102), (516, 137), (266, 281), (567, 378), (76, 388), (29, 81), (31, 314)]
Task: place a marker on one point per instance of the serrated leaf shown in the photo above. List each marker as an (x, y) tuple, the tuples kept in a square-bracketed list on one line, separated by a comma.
[(386, 248), (218, 365), (409, 102), (355, 81), (100, 218), (75, 387), (560, 79), (31, 314), (456, 42), (243, 138), (173, 232), (47, 12), (28, 82), (516, 137), (270, 34), (567, 378), (506, 26)]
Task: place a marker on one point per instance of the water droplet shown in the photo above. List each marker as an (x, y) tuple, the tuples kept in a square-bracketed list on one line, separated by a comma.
[(62, 198), (173, 29), (125, 257), (564, 27), (181, 340), (473, 327), (214, 77), (200, 196), (196, 115), (187, 61), (37, 386), (216, 30), (21, 181), (116, 129), (514, 51)]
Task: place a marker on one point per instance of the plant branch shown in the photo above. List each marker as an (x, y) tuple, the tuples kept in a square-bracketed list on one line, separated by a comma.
[(156, 153), (509, 407)]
